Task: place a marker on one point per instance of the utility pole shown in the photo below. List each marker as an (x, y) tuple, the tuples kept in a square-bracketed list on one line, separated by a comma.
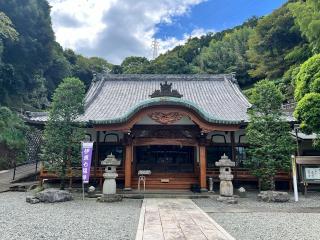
[(155, 48)]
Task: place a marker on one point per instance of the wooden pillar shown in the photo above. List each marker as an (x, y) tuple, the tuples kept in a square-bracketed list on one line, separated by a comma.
[(128, 164), (233, 147), (234, 152), (203, 168), (96, 154)]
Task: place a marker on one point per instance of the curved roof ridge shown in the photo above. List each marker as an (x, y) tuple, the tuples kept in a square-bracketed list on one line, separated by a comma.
[(166, 101), (93, 92), (234, 84), (112, 97), (163, 77)]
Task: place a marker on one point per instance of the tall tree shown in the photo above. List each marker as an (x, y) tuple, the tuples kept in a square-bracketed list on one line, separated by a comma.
[(275, 36), (307, 16), (228, 55), (268, 134), (62, 133), (58, 69), (84, 68), (308, 77), (169, 64), (9, 34), (134, 65), (29, 57), (307, 93), (12, 138), (7, 31)]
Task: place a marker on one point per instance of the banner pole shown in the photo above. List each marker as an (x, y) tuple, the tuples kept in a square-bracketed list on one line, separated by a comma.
[(294, 176), (82, 190)]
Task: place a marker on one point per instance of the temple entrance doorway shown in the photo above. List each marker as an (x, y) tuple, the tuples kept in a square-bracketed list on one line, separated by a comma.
[(165, 158)]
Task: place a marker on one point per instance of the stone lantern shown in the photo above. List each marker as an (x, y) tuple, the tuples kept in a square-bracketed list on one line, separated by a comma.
[(226, 186), (110, 175)]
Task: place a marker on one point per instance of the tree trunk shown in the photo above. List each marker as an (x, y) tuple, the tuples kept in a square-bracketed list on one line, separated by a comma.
[(64, 168), (272, 183), (63, 176)]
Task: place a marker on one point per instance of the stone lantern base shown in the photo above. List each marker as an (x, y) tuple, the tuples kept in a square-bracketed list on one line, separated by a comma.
[(232, 200), (110, 198)]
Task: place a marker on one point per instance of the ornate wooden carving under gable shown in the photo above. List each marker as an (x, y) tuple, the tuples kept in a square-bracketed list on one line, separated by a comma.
[(166, 91), (165, 118)]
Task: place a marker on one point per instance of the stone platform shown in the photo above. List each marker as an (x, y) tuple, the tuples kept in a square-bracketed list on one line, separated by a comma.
[(168, 219), (163, 193)]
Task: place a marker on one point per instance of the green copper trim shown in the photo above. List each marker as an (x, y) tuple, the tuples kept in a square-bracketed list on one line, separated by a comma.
[(162, 101)]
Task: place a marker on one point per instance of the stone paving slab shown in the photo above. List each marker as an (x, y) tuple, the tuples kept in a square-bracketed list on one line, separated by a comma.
[(177, 219), (21, 172)]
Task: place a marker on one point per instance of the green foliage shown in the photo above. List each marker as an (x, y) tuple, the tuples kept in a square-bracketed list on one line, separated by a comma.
[(307, 79), (268, 134), (32, 64), (116, 69), (275, 37), (307, 16), (24, 60), (266, 98), (228, 55), (58, 69), (308, 113), (62, 133), (169, 64), (287, 82), (134, 65), (12, 138), (307, 94), (7, 30), (84, 68)]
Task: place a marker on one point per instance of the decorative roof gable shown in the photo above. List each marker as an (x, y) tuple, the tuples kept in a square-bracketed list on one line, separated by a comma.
[(166, 91)]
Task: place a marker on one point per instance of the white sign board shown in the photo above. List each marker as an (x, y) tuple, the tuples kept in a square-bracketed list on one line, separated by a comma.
[(144, 172), (312, 173)]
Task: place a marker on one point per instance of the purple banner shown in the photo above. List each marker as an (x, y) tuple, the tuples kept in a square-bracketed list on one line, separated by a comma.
[(86, 160)]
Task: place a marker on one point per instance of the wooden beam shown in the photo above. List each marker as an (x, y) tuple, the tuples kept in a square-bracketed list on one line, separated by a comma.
[(128, 167), (203, 168), (163, 141)]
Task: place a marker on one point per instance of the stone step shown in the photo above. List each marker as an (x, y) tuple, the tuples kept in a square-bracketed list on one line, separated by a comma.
[(165, 195)]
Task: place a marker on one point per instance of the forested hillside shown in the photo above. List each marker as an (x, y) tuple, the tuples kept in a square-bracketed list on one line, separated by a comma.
[(32, 63), (271, 47)]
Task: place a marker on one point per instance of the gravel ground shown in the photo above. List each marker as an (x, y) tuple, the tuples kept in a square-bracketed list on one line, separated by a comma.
[(70, 220), (250, 219)]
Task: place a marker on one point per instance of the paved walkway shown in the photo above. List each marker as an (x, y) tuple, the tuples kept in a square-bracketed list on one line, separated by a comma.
[(21, 172), (168, 219)]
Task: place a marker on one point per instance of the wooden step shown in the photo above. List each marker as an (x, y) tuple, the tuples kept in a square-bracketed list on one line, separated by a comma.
[(148, 182), (177, 175), (176, 181)]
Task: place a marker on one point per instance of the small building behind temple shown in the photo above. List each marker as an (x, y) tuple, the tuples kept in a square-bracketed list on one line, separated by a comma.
[(176, 126)]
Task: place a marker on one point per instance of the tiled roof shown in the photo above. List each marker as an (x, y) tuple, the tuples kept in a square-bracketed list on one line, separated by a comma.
[(36, 117), (116, 97)]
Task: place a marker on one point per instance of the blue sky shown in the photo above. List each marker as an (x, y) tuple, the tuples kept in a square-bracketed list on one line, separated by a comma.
[(116, 29), (216, 15)]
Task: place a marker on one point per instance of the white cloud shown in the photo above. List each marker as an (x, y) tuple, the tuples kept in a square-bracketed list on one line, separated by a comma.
[(115, 29), (170, 43)]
